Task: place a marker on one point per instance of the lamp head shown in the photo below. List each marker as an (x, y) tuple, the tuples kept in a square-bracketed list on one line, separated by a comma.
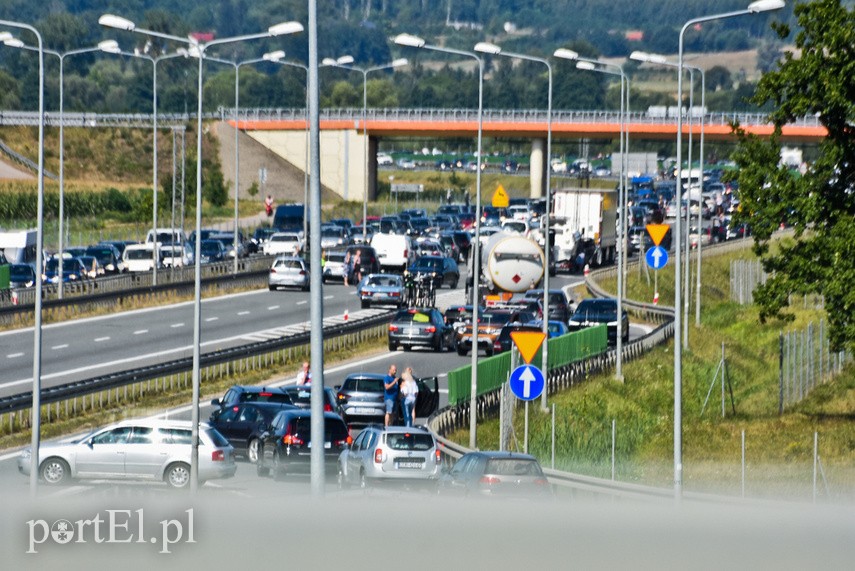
[(564, 53), (113, 21), (5, 36), (274, 56), (409, 40), (285, 28), (13, 42), (109, 46), (765, 6), (344, 60), (488, 48), (328, 61), (586, 65), (400, 62)]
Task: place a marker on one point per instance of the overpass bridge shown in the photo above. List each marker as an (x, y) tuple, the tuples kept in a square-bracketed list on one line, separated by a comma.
[(283, 134)]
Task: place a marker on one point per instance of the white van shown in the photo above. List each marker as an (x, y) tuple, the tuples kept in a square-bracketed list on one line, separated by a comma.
[(140, 257), (167, 236), (394, 251)]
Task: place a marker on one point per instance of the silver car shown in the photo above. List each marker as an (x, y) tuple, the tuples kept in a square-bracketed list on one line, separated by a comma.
[(157, 450), (391, 453), (334, 267), (381, 289), (288, 271)]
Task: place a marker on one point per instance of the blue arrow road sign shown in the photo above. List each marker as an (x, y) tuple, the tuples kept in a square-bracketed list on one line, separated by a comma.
[(656, 257), (527, 382)]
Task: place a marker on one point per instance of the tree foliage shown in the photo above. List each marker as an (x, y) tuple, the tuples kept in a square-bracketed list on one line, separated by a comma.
[(819, 204)]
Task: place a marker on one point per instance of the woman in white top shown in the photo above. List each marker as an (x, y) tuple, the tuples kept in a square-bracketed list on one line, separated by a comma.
[(409, 392)]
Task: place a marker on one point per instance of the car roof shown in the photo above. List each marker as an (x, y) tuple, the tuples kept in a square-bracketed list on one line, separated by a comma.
[(365, 376), (495, 454)]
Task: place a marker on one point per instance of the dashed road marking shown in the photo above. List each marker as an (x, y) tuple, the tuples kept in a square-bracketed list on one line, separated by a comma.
[(212, 319), (243, 313), (14, 355), (57, 347), (141, 332), (100, 339), (272, 307), (176, 325)]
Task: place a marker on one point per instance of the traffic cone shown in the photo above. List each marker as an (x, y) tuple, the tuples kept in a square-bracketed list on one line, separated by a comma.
[(656, 298), (14, 298), (587, 270), (345, 315)]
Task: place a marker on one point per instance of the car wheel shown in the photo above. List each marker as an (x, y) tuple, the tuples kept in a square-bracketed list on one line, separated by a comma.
[(278, 468), (408, 347), (272, 288), (461, 351), (55, 471), (392, 347), (178, 475), (342, 481), (489, 352), (252, 451), (454, 283), (363, 481), (366, 304), (260, 469)]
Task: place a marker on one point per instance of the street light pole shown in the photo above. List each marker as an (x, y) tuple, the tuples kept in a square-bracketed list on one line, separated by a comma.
[(756, 7), (276, 57), (341, 62), (197, 49), (417, 42), (613, 69), (488, 48), (40, 208)]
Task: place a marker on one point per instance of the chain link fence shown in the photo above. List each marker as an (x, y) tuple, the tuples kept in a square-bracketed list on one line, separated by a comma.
[(806, 360)]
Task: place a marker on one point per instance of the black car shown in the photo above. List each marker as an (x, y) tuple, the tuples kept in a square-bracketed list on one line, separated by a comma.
[(243, 424), (361, 397), (595, 311), (442, 269), (120, 245), (559, 309), (504, 342), (108, 257), (301, 396), (239, 394), (422, 327), (286, 447), (21, 276), (369, 262)]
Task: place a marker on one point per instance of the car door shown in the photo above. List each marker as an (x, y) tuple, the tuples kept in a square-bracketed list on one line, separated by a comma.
[(427, 400), (144, 454), (454, 482), (224, 421), (104, 453), (349, 457)]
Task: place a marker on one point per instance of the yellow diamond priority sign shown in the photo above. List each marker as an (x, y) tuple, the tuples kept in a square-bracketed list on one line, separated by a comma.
[(657, 232), (501, 198), (528, 342)]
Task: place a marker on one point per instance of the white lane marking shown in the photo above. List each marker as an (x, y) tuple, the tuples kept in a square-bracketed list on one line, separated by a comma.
[(304, 302), (14, 355), (212, 319), (100, 339), (243, 312), (124, 314), (56, 347), (272, 307), (140, 331), (329, 296), (176, 325)]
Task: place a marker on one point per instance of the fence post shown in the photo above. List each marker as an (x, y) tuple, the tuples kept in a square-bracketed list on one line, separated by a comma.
[(743, 463), (780, 373), (815, 457), (613, 449)]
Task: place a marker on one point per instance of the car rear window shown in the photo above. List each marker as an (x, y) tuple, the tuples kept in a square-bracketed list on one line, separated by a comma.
[(513, 467), (408, 315), (215, 437), (334, 428), (409, 441), (265, 397), (365, 385)]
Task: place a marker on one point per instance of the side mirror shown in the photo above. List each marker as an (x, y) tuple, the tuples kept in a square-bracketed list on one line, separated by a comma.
[(215, 402), (90, 443), (337, 387)]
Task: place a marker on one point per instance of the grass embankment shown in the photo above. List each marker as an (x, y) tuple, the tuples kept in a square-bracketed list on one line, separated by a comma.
[(159, 397), (779, 449)]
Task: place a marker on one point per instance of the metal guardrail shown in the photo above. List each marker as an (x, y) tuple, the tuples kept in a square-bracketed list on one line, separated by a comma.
[(115, 289)]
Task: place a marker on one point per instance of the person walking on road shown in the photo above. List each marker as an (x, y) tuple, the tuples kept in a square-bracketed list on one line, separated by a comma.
[(409, 392), (390, 393)]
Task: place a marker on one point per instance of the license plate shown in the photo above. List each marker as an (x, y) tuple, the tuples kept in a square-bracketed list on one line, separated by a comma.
[(363, 411), (409, 465), (326, 444), (410, 331)]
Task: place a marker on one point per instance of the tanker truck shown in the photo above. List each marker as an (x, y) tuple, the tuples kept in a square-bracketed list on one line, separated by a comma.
[(510, 263), (585, 224)]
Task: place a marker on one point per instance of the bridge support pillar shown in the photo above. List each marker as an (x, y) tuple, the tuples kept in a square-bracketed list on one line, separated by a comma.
[(538, 165), (372, 168)]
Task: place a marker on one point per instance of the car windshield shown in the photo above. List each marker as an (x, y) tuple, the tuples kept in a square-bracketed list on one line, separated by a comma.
[(597, 306), (407, 441), (364, 385), (284, 238), (432, 264), (411, 315), (513, 467), (499, 318), (21, 273), (210, 247)]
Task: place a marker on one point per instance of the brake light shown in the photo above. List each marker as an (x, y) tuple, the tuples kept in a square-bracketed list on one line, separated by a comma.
[(497, 346), (378, 456), (218, 456), (302, 272), (438, 456), (292, 440), (263, 395), (406, 252), (489, 480), (395, 294), (393, 328), (272, 270), (430, 329), (541, 481), (327, 407)]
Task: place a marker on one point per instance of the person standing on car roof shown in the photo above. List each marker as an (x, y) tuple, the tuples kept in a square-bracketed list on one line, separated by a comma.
[(390, 392)]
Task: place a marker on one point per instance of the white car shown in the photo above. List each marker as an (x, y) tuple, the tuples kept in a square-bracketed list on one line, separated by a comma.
[(384, 159), (283, 243), (395, 251), (176, 256), (157, 450)]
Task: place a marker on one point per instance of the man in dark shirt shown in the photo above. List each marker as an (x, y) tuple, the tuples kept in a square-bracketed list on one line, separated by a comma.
[(390, 393)]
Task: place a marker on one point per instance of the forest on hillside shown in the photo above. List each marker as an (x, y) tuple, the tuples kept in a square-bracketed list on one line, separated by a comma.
[(362, 29)]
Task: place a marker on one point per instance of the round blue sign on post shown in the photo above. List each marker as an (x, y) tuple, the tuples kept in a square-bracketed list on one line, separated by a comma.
[(656, 257), (527, 382)]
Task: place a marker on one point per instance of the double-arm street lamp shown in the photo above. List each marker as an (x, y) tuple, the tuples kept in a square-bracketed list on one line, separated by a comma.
[(276, 57), (756, 7), (106, 45), (488, 48), (40, 208), (613, 69), (345, 62), (409, 40), (197, 49)]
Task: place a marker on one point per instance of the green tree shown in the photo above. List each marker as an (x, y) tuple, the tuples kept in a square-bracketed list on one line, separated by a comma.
[(819, 204)]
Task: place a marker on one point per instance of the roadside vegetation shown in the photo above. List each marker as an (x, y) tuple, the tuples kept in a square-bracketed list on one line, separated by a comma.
[(779, 448)]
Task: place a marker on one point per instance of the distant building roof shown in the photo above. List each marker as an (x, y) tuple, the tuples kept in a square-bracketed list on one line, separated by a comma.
[(634, 35), (202, 36)]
